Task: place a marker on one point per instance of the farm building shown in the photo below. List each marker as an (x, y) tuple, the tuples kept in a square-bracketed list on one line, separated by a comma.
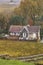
[(24, 32)]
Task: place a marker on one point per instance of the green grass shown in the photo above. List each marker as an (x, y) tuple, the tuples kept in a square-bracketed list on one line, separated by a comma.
[(20, 48), (12, 62)]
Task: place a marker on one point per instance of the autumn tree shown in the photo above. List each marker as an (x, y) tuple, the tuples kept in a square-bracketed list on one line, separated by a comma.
[(4, 19), (29, 9), (2, 23)]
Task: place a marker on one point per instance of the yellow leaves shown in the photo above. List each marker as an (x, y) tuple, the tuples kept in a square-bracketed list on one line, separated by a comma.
[(34, 3), (17, 11)]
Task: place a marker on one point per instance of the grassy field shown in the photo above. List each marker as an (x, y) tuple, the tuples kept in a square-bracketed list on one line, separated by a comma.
[(12, 62), (20, 48), (3, 10)]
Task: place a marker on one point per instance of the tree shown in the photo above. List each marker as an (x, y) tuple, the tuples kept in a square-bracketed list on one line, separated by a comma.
[(17, 20), (2, 23), (29, 9), (4, 19)]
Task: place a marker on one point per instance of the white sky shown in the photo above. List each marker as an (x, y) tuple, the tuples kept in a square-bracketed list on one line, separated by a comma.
[(2, 1)]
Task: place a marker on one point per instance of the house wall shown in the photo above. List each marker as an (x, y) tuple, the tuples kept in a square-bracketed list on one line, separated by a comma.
[(12, 34), (32, 36), (39, 35)]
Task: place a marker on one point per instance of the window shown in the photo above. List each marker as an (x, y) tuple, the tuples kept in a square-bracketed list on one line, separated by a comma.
[(24, 35), (34, 34)]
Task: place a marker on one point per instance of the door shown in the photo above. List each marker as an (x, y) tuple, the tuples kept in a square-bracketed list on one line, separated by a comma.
[(24, 35)]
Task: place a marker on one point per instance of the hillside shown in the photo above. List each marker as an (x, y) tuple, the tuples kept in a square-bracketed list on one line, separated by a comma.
[(6, 8)]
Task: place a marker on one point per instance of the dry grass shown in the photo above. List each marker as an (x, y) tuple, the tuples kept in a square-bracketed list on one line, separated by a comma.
[(20, 48), (6, 8)]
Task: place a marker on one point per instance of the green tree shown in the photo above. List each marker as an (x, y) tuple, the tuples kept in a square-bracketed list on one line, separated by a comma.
[(17, 20)]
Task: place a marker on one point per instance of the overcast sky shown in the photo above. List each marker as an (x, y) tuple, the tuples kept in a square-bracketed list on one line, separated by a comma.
[(2, 1)]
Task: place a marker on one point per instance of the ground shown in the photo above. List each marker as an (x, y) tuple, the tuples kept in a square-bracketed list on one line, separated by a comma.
[(20, 48)]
